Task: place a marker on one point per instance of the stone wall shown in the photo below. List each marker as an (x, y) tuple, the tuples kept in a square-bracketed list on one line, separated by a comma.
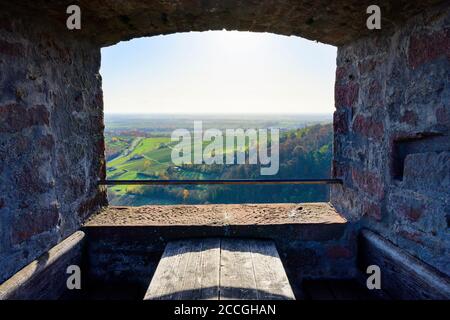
[(51, 140), (392, 143), (123, 255), (108, 22), (391, 124)]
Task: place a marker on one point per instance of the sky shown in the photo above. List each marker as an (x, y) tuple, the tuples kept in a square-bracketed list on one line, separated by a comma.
[(219, 72)]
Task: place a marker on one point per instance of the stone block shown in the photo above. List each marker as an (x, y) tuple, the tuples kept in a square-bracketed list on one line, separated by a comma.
[(368, 127), (346, 95), (428, 171), (425, 47), (27, 224)]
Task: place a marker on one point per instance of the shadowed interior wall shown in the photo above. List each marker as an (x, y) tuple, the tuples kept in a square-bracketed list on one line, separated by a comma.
[(392, 90), (392, 143), (51, 139), (130, 254)]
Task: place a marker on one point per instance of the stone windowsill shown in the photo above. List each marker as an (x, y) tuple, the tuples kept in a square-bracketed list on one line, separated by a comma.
[(217, 215)]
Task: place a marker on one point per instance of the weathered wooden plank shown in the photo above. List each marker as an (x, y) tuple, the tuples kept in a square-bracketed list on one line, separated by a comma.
[(190, 276), (210, 268), (237, 276), (188, 270), (220, 269), (270, 276), (402, 275), (200, 279), (166, 280), (45, 278)]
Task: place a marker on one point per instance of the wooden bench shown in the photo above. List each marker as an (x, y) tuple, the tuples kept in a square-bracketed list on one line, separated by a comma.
[(402, 276), (220, 269)]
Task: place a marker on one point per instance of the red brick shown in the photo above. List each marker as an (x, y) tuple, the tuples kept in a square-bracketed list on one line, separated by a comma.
[(368, 182), (367, 66), (411, 236), (368, 127), (15, 117), (340, 124), (443, 115), (411, 212), (341, 74), (30, 223), (375, 94), (372, 210), (427, 47), (29, 179), (409, 117), (346, 95), (339, 170), (47, 142)]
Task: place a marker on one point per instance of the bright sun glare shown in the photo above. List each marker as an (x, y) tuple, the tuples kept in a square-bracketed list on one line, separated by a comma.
[(219, 72)]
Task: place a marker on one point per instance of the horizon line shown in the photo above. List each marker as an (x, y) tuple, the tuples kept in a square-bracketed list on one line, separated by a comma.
[(218, 113)]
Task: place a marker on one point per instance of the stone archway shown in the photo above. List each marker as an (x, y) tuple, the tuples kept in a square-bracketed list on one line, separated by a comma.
[(391, 86), (331, 22)]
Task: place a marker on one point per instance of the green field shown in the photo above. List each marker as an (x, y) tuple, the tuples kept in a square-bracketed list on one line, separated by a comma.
[(137, 154), (149, 159)]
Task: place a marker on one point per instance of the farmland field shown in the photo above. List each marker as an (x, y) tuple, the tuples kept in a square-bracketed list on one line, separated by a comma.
[(140, 148)]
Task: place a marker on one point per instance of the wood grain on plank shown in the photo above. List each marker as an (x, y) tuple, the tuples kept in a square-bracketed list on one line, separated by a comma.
[(166, 280), (271, 280), (403, 276), (237, 276), (189, 269), (210, 268), (220, 269)]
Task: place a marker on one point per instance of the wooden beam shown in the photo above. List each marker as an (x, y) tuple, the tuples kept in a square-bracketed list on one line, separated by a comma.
[(237, 276), (45, 277), (188, 270), (220, 269), (402, 275), (213, 182)]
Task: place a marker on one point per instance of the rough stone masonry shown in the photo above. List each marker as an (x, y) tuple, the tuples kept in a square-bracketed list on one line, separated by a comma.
[(392, 138), (51, 140), (391, 120)]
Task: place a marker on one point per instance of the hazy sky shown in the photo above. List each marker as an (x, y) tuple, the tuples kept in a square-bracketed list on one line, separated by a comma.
[(217, 72)]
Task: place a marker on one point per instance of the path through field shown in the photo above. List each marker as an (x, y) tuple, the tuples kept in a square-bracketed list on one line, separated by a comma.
[(129, 150)]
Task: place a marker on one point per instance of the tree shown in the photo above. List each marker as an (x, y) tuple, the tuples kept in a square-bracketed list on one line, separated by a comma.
[(185, 195)]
